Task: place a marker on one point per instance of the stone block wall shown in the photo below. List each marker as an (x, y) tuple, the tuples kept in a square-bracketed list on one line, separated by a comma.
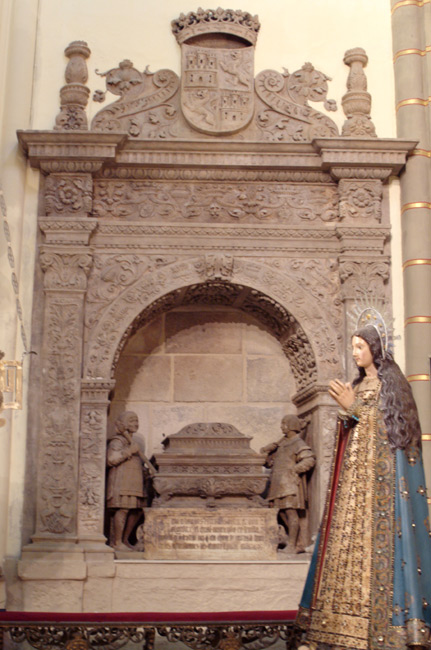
[(207, 364)]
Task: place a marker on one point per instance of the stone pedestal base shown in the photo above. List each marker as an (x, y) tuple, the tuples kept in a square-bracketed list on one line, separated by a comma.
[(164, 586), (200, 534)]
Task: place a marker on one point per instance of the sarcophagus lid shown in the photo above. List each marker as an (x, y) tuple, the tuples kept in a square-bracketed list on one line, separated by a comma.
[(207, 463)]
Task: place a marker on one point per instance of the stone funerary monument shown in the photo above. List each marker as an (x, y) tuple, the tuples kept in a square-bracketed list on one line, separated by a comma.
[(200, 244)]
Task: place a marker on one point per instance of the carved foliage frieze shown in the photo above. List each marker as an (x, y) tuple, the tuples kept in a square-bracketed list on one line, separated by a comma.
[(68, 194), (210, 202), (360, 200)]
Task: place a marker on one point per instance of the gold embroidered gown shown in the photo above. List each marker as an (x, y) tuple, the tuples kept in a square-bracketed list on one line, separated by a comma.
[(357, 587)]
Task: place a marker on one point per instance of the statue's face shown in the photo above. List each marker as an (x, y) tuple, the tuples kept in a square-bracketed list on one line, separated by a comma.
[(361, 353), (132, 423), (286, 430)]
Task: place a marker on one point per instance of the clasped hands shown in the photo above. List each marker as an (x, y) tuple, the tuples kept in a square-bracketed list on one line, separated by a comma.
[(343, 394)]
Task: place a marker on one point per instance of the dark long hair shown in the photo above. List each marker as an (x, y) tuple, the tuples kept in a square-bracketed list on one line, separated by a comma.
[(396, 398)]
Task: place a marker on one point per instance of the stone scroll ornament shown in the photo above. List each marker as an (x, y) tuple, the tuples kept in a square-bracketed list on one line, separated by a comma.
[(217, 94)]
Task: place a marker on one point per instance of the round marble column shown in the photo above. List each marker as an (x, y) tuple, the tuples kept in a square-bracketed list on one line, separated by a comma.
[(411, 27)]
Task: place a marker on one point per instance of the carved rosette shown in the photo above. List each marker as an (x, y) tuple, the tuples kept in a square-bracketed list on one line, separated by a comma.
[(74, 95), (92, 459), (68, 194), (360, 200), (65, 284)]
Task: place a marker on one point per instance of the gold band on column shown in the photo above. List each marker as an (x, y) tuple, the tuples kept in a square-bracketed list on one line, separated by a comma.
[(417, 262), (421, 152), (415, 206), (406, 3), (417, 319), (418, 377), (412, 50), (426, 437), (413, 101)]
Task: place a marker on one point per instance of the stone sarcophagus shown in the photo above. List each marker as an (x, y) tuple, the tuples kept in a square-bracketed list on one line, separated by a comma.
[(209, 506), (209, 464)]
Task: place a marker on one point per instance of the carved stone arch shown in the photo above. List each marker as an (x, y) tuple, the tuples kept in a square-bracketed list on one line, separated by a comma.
[(284, 327), (297, 319)]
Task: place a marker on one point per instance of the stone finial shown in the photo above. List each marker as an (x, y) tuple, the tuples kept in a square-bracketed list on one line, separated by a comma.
[(357, 101), (74, 95)]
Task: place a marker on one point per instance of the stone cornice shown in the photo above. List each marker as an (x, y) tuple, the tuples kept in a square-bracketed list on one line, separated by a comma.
[(68, 151), (337, 154), (87, 151)]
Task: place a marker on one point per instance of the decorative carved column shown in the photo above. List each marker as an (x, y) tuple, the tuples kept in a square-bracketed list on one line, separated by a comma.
[(364, 262), (65, 282), (67, 429), (92, 463), (66, 260)]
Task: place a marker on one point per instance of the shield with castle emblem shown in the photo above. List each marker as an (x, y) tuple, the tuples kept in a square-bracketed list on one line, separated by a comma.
[(217, 88)]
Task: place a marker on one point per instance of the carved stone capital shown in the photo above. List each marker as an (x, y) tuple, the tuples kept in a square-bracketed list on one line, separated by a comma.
[(66, 231), (65, 270), (68, 194), (95, 392), (371, 276), (360, 200), (362, 241)]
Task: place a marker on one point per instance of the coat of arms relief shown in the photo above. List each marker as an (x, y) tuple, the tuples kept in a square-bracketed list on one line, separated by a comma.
[(218, 94)]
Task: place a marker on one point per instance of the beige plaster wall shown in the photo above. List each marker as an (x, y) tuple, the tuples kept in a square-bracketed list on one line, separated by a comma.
[(18, 24), (33, 35)]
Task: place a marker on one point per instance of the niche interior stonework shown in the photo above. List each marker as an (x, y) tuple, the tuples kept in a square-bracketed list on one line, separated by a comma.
[(200, 245)]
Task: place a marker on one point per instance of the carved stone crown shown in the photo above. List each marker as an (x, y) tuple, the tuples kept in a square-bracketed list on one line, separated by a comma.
[(207, 21)]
